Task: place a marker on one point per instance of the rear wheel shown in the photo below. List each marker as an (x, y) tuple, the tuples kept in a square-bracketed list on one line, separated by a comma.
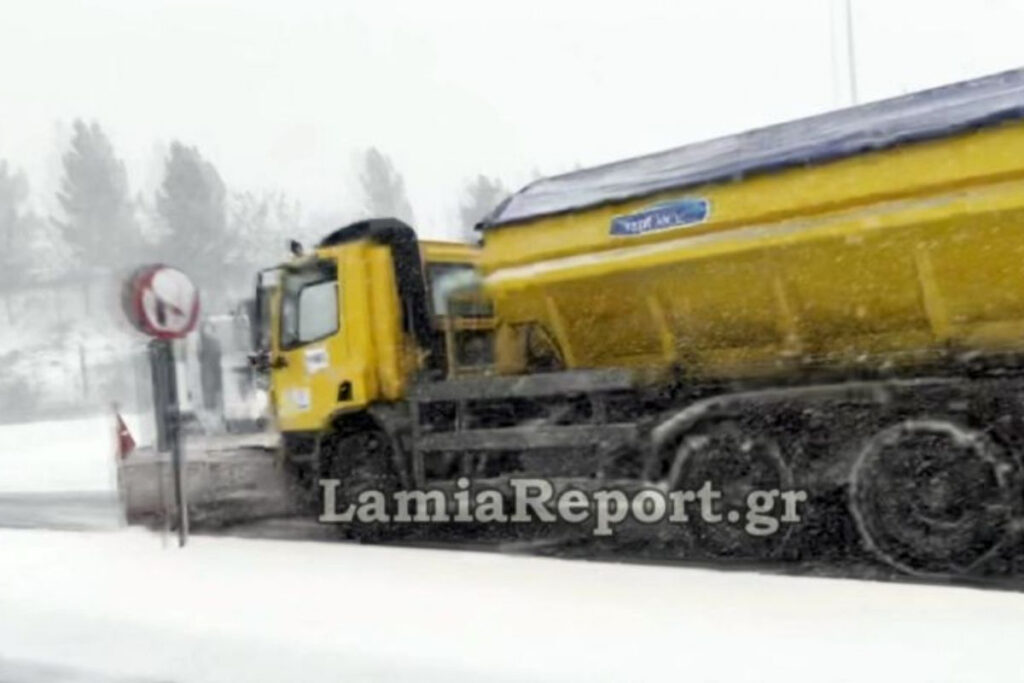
[(932, 498), (736, 463)]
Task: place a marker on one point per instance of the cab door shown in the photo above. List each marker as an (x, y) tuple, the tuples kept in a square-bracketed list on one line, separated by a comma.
[(310, 345)]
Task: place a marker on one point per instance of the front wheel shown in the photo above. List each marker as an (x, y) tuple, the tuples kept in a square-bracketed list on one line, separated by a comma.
[(362, 462)]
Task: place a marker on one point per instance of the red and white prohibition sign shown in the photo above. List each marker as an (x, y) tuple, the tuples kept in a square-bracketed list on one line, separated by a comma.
[(161, 301)]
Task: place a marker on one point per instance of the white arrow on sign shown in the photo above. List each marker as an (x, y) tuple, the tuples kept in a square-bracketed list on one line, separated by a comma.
[(170, 301)]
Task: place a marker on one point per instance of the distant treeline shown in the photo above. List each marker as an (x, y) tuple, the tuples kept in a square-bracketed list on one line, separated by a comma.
[(192, 220)]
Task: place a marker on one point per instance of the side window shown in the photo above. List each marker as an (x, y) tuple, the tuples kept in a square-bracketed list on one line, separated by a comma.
[(318, 311), (446, 278)]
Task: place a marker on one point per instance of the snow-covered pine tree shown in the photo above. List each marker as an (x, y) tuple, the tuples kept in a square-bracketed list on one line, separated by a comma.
[(191, 207), (99, 223), (383, 188), (480, 197)]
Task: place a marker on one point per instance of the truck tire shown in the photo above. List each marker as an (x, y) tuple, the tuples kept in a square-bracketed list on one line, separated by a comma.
[(361, 461), (736, 462), (932, 498)]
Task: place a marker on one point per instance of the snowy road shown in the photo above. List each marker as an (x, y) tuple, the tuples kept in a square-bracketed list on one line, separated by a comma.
[(63, 474), (61, 510), (118, 605)]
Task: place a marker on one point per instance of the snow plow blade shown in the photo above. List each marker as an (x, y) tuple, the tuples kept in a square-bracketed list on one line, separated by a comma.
[(225, 482)]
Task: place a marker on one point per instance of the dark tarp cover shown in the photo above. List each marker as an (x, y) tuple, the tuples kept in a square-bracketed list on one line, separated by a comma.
[(923, 115)]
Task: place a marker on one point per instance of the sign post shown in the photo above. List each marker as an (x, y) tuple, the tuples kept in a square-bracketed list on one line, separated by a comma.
[(163, 303)]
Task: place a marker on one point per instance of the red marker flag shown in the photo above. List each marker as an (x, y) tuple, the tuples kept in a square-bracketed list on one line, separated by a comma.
[(125, 442)]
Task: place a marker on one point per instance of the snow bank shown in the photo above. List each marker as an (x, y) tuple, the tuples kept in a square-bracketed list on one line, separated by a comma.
[(66, 455), (225, 609)]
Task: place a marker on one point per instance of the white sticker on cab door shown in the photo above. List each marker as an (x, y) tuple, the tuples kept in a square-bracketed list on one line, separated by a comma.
[(299, 399), (316, 360)]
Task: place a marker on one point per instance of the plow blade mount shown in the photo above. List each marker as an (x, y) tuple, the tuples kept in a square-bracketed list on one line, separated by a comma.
[(225, 483)]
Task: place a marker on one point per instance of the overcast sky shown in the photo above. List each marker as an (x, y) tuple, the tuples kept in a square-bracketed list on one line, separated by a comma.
[(281, 95)]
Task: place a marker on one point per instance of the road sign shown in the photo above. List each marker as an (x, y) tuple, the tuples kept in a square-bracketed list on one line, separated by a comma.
[(161, 301)]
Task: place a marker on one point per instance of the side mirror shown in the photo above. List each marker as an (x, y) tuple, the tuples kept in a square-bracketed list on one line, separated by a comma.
[(259, 361)]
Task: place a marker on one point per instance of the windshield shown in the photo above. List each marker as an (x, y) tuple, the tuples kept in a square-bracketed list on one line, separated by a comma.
[(309, 304)]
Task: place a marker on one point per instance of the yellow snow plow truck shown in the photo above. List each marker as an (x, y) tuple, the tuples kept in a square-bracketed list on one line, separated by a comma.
[(832, 306)]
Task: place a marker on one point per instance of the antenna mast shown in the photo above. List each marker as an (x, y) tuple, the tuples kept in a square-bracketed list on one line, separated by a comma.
[(851, 53)]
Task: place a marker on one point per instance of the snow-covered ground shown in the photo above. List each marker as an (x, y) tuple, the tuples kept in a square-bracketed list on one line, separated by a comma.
[(62, 474), (66, 455), (119, 604)]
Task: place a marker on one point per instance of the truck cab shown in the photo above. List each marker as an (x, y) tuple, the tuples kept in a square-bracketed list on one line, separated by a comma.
[(370, 310)]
